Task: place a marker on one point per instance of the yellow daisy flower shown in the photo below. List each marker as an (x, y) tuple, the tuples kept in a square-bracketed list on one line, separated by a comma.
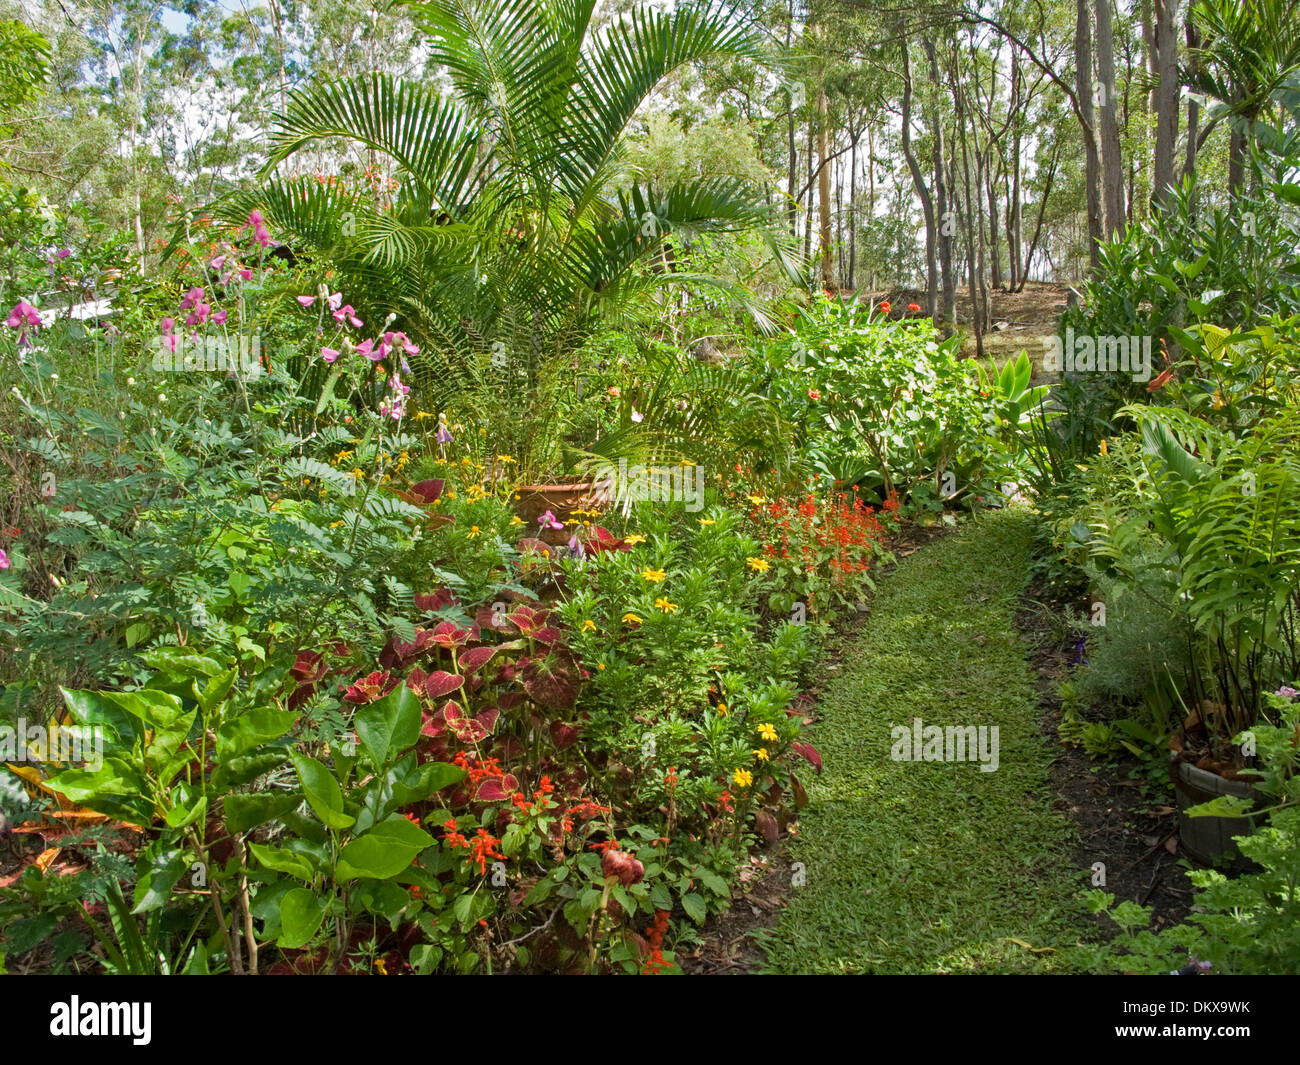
[(631, 619), (706, 521), (760, 565), (663, 604), (588, 626), (761, 754), (653, 575), (743, 778), (767, 732)]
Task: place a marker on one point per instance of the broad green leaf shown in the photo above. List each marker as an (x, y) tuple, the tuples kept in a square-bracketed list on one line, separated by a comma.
[(384, 851), (284, 861), (322, 791), (388, 726), (156, 880), (301, 914), (248, 811)]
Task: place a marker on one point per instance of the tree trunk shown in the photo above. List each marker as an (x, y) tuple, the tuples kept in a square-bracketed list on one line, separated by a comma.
[(947, 219), (1088, 124), (854, 134), (1166, 94), (824, 187), (1112, 160), (922, 191)]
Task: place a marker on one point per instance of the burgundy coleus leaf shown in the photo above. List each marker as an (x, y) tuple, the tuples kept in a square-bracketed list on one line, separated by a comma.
[(435, 601), (553, 681), (440, 683), (475, 658), (563, 735), (449, 634), (527, 620), (509, 700), (512, 747), (601, 539), (547, 635), (808, 751), (301, 694), (370, 688), (488, 718), (406, 650), (530, 545), (489, 620), (424, 493), (308, 667), (767, 826), (465, 728), (415, 680), (433, 725), (494, 789)]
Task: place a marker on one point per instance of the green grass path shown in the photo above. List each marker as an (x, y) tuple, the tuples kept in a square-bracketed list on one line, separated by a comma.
[(924, 867)]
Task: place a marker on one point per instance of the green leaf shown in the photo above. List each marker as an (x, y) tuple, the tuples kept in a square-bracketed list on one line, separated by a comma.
[(156, 880), (301, 914), (248, 811), (389, 725), (252, 728), (284, 861), (216, 690), (246, 767), (323, 792), (157, 709), (180, 816), (384, 851), (694, 906)]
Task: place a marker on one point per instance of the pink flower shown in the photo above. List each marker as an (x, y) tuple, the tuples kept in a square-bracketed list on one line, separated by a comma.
[(23, 315), (246, 273), (219, 318), (199, 315), (218, 262), (329, 354), (547, 521), (306, 301), (168, 324), (4, 560), (366, 348), (192, 297), (347, 312), (63, 253)]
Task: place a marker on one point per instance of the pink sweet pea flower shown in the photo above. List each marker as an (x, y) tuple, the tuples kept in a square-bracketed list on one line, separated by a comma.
[(192, 298), (346, 311), (4, 560), (63, 253), (366, 348), (329, 354), (548, 521), (246, 273), (23, 315), (219, 318), (306, 301), (218, 262)]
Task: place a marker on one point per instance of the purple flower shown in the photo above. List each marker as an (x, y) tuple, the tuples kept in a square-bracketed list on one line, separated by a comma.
[(547, 521), (329, 354), (63, 253), (443, 436), (4, 560), (23, 315), (1286, 692), (218, 262), (575, 547)]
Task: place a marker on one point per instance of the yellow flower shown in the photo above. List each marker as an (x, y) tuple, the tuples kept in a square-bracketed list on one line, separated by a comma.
[(761, 754), (474, 530), (767, 732), (380, 967), (451, 495), (421, 415), (504, 458), (600, 665), (758, 501), (516, 520), (743, 778), (1105, 450), (631, 619), (358, 472), (722, 709), (662, 604), (761, 565), (336, 524), (634, 539), (653, 575), (705, 521), (588, 626)]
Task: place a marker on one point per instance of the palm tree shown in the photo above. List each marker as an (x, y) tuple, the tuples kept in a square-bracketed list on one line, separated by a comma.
[(1247, 58), (510, 235)]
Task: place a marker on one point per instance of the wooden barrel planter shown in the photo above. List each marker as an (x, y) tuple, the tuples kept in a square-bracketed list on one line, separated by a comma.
[(1208, 840), (534, 500)]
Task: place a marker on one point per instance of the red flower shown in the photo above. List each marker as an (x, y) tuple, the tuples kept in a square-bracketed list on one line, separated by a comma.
[(623, 866), (913, 307), (1160, 381), (884, 306), (814, 394)]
